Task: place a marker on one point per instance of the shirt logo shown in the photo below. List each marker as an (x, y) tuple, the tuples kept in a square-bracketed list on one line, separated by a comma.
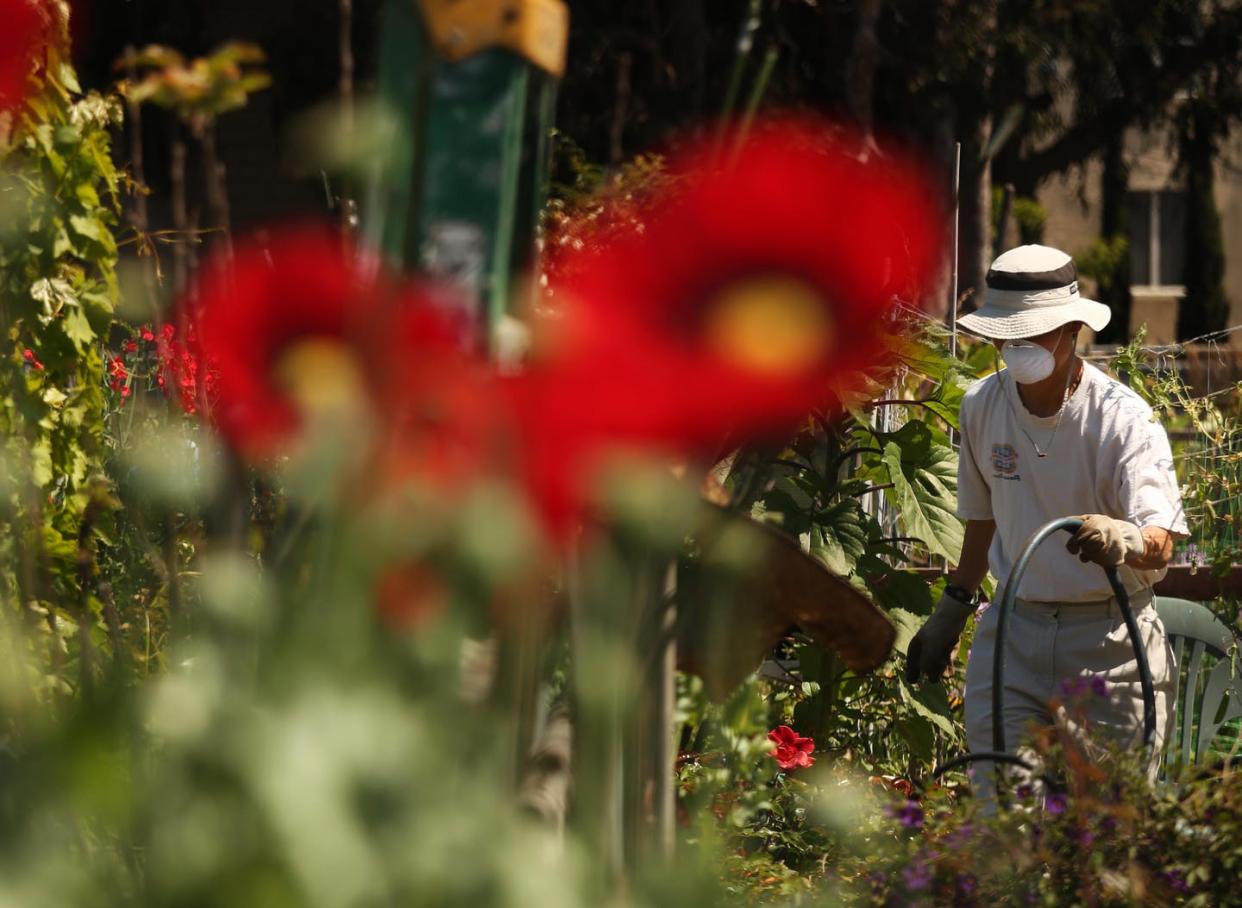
[(1005, 462)]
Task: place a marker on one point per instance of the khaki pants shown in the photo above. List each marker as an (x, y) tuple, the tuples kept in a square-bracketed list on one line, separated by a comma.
[(1048, 644)]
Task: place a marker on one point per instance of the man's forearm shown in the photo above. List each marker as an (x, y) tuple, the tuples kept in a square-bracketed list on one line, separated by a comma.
[(1157, 550), (972, 566)]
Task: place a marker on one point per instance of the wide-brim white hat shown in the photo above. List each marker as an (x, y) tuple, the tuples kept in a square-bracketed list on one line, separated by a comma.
[(1030, 291)]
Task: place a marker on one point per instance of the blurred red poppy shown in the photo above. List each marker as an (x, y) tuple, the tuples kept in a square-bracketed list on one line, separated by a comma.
[(444, 422), (270, 322), (409, 596), (297, 326), (21, 30), (748, 290)]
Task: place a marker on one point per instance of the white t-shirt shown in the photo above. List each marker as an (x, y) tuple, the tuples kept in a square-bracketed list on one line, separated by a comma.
[(1109, 457)]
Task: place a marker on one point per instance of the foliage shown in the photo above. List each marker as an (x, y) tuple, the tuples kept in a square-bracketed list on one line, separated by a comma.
[(1101, 259), (198, 90), (1209, 467), (58, 203), (1030, 216), (868, 501)]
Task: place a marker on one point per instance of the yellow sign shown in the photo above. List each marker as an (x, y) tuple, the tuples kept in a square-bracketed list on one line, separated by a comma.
[(535, 29)]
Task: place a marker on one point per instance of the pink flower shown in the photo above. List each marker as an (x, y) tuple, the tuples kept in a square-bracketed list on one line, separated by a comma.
[(792, 750)]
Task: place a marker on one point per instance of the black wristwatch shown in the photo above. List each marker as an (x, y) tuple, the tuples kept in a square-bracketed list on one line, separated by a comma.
[(961, 594)]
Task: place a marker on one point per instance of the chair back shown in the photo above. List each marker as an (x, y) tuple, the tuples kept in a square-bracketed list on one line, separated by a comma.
[(1207, 720)]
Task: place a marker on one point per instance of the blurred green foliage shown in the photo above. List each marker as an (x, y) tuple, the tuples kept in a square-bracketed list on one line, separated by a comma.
[(59, 200)]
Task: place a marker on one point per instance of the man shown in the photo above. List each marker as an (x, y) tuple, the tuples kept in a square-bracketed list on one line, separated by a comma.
[(1051, 436)]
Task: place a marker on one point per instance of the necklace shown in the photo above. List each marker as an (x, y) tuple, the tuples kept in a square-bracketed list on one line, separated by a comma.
[(1072, 379)]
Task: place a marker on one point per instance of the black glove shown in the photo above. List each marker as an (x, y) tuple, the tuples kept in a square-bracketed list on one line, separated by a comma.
[(929, 652)]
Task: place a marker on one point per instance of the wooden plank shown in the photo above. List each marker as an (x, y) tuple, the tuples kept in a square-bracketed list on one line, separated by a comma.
[(1179, 583)]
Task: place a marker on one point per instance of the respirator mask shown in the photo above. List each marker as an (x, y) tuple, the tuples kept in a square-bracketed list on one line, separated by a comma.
[(1028, 362)]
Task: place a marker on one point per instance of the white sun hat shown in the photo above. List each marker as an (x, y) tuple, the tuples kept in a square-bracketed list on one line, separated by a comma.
[(1032, 290)]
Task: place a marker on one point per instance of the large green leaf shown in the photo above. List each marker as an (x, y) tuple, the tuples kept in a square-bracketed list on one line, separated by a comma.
[(931, 702), (924, 492), (946, 400), (839, 537)]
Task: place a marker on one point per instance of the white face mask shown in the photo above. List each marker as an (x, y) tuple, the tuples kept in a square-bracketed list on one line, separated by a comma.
[(1028, 362)]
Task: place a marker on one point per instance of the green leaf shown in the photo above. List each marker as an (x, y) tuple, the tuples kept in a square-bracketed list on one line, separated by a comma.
[(907, 625), (54, 293), (919, 736), (946, 400), (932, 703), (925, 358), (77, 328), (93, 229), (783, 509), (924, 492), (839, 537), (41, 462), (905, 591)]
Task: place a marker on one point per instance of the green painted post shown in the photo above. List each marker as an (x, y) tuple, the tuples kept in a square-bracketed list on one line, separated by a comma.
[(467, 176)]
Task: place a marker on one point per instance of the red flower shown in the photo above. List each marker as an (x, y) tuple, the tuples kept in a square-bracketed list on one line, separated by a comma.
[(301, 289), (444, 421), (20, 35), (409, 596), (725, 312), (400, 351), (183, 364), (749, 290), (792, 751)]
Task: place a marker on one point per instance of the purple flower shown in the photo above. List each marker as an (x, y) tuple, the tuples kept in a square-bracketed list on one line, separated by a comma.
[(1176, 880), (1084, 687), (1056, 803), (959, 837), (917, 876), (1099, 687), (965, 885), (910, 815)]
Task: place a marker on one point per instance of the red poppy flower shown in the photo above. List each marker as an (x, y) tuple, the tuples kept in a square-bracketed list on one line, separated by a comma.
[(274, 318), (286, 328), (409, 596), (444, 422), (750, 288), (20, 35), (792, 751)]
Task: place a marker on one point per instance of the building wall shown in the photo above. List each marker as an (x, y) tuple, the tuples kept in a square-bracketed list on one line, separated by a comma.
[(1073, 202)]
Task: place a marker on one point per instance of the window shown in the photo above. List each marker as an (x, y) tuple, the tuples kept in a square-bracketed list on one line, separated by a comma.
[(1157, 221)]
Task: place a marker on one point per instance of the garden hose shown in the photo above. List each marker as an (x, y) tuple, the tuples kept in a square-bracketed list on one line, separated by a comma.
[(998, 754)]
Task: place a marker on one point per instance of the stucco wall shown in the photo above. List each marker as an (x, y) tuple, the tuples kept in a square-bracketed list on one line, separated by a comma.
[(1072, 203)]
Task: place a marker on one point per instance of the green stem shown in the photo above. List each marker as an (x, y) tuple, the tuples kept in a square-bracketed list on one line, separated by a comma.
[(757, 92)]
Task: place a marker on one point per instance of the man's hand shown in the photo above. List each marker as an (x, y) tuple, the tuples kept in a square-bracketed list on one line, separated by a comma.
[(929, 652), (1106, 541)]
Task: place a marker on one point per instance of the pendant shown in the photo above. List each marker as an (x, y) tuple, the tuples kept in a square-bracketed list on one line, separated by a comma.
[(1041, 454)]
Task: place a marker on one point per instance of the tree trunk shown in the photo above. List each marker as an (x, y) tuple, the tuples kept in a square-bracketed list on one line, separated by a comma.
[(864, 58), (1204, 308), (1114, 289), (975, 243)]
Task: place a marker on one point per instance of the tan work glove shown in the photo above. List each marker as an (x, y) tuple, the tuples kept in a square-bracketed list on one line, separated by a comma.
[(1106, 541), (929, 652)]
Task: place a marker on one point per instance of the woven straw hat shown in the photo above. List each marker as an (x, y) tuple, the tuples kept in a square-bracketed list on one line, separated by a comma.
[(1032, 290)]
